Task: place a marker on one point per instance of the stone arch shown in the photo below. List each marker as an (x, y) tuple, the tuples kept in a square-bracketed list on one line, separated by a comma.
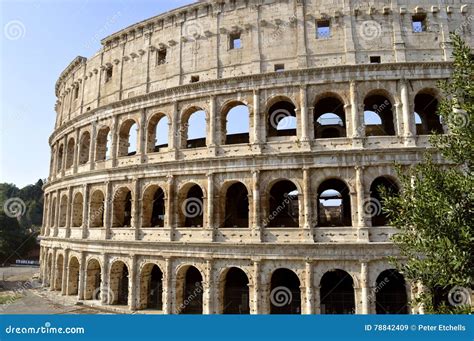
[(73, 276), (49, 269), (93, 280), (334, 203), (71, 144), (77, 210), (96, 209), (426, 107), (283, 203), (122, 207), (379, 118), (285, 292), (59, 165), (235, 205), (84, 148), (337, 293), (329, 117), (58, 283), (153, 206), (194, 128), (391, 293), (191, 205), (378, 216), (235, 113), (234, 291), (103, 144), (151, 287), (157, 123), (119, 283), (63, 210), (189, 290), (281, 117), (128, 138), (52, 222)]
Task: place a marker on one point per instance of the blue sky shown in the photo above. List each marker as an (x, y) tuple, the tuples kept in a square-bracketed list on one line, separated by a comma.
[(39, 38)]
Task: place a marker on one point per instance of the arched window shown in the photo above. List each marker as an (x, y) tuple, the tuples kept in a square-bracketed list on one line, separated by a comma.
[(426, 107), (329, 118), (379, 217), (236, 292), (77, 210), (236, 124), (157, 135), (96, 209), (284, 205), (119, 283), (59, 273), (192, 207), (194, 129), (391, 293), (73, 277), (236, 206), (285, 293), (70, 153), (378, 116), (154, 207), (104, 143), (128, 138), (93, 280), (84, 148), (190, 291), (337, 293), (52, 221), (63, 211), (334, 204), (60, 157), (151, 287), (122, 210), (281, 119)]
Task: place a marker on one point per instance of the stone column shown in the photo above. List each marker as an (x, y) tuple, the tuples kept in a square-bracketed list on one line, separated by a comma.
[(53, 270), (115, 141), (77, 148), (64, 270), (259, 126), (255, 303), (141, 145), (132, 284), (364, 288), (170, 208), (69, 211), (63, 161), (363, 233), (208, 290), (136, 207), (82, 270), (211, 126), (257, 219), (105, 280), (398, 43), (167, 289), (174, 132), (56, 218), (407, 117), (93, 146), (349, 38), (300, 23), (357, 126), (209, 211), (108, 209), (307, 223), (85, 211), (317, 299), (309, 303)]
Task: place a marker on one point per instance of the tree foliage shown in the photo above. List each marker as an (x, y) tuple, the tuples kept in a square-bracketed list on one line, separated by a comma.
[(434, 212)]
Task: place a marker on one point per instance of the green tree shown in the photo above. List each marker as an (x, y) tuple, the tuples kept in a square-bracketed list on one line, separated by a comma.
[(434, 212)]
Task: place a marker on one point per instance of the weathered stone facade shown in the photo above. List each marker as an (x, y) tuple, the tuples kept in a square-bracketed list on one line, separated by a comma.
[(117, 225)]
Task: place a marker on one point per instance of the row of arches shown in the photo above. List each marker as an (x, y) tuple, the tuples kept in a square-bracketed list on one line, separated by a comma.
[(329, 117), (282, 208), (336, 294)]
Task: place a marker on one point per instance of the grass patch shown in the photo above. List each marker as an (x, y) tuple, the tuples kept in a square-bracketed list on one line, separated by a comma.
[(8, 298)]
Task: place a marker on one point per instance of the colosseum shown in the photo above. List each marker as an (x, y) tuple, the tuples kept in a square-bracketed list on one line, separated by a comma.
[(227, 156)]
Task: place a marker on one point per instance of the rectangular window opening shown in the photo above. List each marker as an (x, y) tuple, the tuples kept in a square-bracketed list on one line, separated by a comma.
[(323, 29), (235, 41), (279, 67), (76, 92), (419, 23), (375, 59), (161, 58), (194, 79), (108, 74)]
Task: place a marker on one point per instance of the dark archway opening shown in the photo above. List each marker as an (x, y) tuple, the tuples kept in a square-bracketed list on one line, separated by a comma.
[(379, 217), (337, 293), (236, 292), (334, 204), (378, 116), (391, 293), (282, 119), (193, 290), (285, 294), (284, 205), (329, 118), (236, 206)]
